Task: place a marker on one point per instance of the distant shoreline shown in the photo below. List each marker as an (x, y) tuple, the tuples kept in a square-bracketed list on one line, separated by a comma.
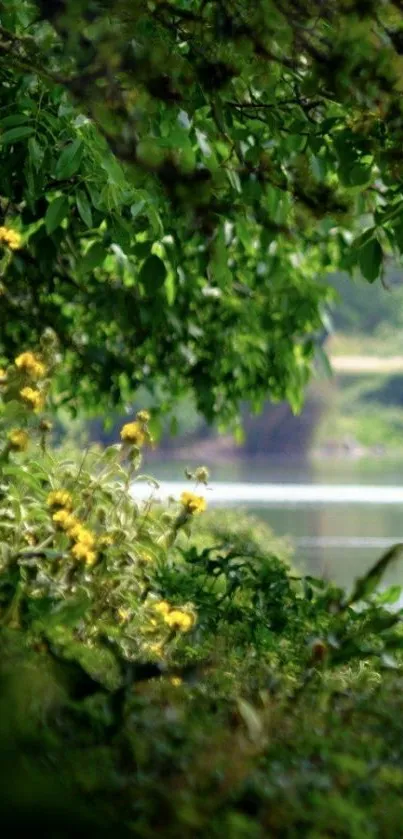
[(357, 364), (219, 451)]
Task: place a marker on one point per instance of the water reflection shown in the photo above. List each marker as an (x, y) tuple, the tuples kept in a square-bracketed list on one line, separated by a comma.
[(339, 542), (336, 539)]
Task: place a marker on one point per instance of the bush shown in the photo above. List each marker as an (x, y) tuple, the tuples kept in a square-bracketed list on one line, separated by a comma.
[(240, 530), (164, 670)]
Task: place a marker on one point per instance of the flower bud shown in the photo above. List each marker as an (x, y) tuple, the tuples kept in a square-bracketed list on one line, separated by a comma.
[(202, 475)]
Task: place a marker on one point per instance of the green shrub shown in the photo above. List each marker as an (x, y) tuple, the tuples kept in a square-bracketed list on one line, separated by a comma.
[(164, 670), (240, 530)]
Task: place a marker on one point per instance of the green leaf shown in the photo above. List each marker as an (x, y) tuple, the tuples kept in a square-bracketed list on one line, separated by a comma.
[(16, 134), (69, 160), (239, 435), (94, 257), (398, 236), (142, 249), (389, 662), (360, 175), (390, 595), (218, 265), (370, 260), (389, 214), (121, 233), (36, 153), (84, 207), (324, 362), (366, 585), (251, 719), (137, 209), (56, 212), (14, 119), (364, 238), (152, 273), (69, 613), (155, 220), (170, 288)]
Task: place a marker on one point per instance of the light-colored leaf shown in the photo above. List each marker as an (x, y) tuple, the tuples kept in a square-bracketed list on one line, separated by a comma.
[(56, 213)]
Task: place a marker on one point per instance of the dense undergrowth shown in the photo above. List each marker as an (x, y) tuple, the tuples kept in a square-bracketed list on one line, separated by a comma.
[(164, 671)]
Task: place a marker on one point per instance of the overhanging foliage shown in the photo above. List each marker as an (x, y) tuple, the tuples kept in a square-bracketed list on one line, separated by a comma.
[(182, 174)]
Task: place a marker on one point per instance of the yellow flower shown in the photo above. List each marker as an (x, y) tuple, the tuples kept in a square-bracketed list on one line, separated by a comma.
[(33, 397), (29, 363), (176, 681), (143, 416), (123, 615), (83, 552), (10, 238), (155, 648), (3, 373), (79, 533), (193, 503), (162, 607), (60, 498), (64, 520), (18, 440), (133, 433), (179, 620)]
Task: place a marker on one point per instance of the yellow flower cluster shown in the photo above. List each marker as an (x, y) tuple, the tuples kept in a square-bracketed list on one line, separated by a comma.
[(155, 648), (18, 440), (83, 539), (175, 618), (32, 397), (136, 433), (133, 433), (162, 607), (29, 363), (59, 498), (193, 503), (82, 551), (64, 520), (81, 534), (84, 544), (10, 238)]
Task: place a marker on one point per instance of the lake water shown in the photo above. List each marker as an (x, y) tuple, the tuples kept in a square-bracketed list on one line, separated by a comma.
[(341, 515)]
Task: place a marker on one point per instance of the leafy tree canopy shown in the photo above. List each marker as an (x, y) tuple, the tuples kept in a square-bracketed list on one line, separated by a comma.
[(182, 174)]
